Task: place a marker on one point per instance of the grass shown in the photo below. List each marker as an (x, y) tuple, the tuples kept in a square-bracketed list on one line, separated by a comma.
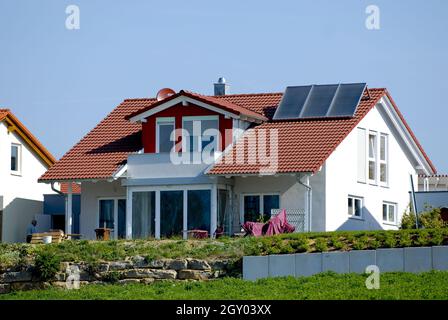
[(431, 285), (233, 248)]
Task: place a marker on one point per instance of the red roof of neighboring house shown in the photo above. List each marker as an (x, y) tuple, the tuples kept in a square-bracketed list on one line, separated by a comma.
[(304, 144), (17, 126), (76, 188)]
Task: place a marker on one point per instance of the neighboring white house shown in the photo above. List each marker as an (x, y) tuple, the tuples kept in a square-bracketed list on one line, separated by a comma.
[(336, 157), (23, 160)]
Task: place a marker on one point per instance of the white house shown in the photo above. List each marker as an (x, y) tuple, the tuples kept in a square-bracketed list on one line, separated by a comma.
[(23, 159), (336, 157)]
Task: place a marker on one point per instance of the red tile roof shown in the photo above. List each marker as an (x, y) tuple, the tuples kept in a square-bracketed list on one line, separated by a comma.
[(303, 147), (16, 125), (76, 188), (104, 149)]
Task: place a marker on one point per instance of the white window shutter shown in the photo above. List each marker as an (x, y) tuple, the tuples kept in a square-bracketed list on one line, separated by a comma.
[(362, 162)]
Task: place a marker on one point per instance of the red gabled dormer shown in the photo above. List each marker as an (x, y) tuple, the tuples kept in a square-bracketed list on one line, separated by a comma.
[(196, 115)]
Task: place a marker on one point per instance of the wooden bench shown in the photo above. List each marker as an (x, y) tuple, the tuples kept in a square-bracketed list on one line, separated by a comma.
[(57, 236)]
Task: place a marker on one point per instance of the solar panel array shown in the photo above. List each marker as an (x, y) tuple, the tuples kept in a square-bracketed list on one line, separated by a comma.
[(320, 101)]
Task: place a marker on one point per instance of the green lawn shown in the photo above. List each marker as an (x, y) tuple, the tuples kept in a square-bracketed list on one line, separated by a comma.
[(431, 285)]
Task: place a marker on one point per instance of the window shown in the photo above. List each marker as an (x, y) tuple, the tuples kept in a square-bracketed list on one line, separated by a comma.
[(355, 205), (15, 158), (165, 127), (383, 159), (107, 210), (171, 213), (199, 208), (373, 160), (372, 156), (112, 215), (256, 205), (202, 133), (390, 212), (143, 214)]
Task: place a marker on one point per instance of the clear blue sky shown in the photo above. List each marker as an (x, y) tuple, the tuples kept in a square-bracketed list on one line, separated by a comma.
[(61, 82)]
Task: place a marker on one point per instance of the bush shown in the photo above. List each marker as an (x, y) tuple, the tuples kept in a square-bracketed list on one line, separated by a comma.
[(321, 244), (47, 265), (429, 219)]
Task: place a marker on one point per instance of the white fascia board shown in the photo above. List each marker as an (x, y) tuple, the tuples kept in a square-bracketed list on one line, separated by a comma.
[(415, 151), (120, 172), (181, 99)]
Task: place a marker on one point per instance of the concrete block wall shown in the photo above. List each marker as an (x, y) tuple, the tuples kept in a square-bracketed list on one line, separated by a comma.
[(412, 259)]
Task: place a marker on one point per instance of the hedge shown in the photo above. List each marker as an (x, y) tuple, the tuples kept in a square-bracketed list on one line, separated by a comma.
[(223, 248)]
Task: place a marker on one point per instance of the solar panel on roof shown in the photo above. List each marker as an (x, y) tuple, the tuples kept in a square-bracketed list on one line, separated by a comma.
[(317, 101), (346, 100), (292, 102)]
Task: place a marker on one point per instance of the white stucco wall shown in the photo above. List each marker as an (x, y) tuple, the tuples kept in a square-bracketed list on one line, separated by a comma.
[(292, 194), (91, 193), (342, 180), (22, 194)]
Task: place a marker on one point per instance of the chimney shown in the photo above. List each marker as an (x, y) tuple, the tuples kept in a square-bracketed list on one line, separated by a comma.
[(221, 88)]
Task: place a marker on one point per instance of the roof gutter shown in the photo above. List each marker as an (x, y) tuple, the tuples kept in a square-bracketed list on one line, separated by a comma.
[(56, 190)]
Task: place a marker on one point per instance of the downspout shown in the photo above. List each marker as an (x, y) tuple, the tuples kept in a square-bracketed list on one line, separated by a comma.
[(414, 201), (309, 198)]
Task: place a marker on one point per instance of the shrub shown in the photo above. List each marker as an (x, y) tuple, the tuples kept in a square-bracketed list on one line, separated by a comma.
[(408, 221), (337, 243), (321, 244), (390, 240), (46, 265), (429, 219)]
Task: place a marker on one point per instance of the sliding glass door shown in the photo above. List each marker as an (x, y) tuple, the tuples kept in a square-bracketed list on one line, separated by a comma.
[(143, 214), (198, 210), (171, 213)]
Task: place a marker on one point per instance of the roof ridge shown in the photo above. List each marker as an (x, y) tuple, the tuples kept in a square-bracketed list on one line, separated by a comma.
[(228, 95), (248, 94)]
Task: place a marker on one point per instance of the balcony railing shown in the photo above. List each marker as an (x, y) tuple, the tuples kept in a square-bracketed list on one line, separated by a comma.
[(169, 165)]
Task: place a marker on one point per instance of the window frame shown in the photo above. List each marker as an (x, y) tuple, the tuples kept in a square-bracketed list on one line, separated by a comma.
[(353, 215), (115, 200), (199, 143), (373, 159), (389, 204), (261, 201), (386, 159), (17, 172), (163, 121)]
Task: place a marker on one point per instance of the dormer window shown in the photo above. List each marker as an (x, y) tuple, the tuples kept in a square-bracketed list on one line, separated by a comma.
[(202, 133), (15, 158), (164, 129)]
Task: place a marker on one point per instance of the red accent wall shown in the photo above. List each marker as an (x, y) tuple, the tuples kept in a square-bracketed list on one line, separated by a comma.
[(178, 111)]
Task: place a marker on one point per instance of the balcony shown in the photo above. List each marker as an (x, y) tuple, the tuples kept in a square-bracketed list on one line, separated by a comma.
[(169, 165)]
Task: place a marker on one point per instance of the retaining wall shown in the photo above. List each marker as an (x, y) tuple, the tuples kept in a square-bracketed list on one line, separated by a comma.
[(134, 270), (411, 259)]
